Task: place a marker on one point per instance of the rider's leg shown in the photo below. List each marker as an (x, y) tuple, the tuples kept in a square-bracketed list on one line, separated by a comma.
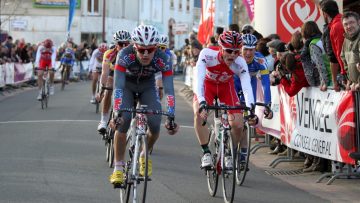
[(106, 106), (40, 81), (237, 126), (51, 73), (95, 77), (202, 132)]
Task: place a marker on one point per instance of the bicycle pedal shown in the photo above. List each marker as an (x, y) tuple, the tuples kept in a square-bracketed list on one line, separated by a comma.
[(119, 185)]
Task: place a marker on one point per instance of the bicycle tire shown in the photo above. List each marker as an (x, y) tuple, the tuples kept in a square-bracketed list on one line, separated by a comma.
[(107, 154), (47, 95), (228, 175), (63, 77), (241, 174), (111, 154), (43, 95), (137, 188), (212, 176), (97, 104)]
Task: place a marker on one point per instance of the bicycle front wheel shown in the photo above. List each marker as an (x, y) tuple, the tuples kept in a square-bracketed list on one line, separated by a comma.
[(228, 170), (242, 161), (211, 175), (139, 183)]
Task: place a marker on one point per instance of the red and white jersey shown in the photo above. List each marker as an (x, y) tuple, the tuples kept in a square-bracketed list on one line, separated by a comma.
[(211, 68), (45, 54)]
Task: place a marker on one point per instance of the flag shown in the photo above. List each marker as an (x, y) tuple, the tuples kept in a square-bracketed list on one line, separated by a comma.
[(206, 26), (249, 4), (72, 4)]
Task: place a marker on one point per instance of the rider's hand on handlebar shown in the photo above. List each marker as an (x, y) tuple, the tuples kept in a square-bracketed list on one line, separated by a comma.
[(253, 120), (202, 110), (171, 126)]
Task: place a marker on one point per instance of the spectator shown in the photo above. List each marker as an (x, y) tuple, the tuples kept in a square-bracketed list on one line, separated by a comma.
[(264, 50), (195, 48), (272, 46), (248, 29), (350, 50), (213, 44), (332, 17), (22, 52), (314, 47), (9, 45), (234, 27), (292, 65), (273, 37)]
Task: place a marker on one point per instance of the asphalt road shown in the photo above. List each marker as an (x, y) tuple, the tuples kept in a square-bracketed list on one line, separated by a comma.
[(56, 155)]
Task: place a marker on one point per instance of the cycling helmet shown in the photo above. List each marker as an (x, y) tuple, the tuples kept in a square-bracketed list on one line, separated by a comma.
[(249, 41), (102, 47), (48, 43), (230, 40), (111, 46), (122, 36), (163, 40), (145, 35)]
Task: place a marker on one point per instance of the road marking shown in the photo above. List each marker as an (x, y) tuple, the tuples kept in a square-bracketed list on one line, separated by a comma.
[(46, 121), (54, 121)]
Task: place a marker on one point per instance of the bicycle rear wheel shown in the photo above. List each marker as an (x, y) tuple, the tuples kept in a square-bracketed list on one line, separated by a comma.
[(211, 175), (242, 166), (97, 104), (111, 152), (139, 183), (63, 77), (228, 172)]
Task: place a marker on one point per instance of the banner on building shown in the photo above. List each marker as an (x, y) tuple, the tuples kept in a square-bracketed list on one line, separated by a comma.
[(72, 4), (250, 8), (55, 3), (206, 26)]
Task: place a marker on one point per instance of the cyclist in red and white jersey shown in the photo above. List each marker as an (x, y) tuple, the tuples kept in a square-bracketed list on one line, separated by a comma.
[(45, 57), (95, 66), (214, 75)]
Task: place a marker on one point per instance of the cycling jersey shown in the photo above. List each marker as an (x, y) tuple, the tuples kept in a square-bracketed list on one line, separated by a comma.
[(110, 57), (45, 57), (128, 70), (95, 60), (211, 69), (68, 57), (255, 67)]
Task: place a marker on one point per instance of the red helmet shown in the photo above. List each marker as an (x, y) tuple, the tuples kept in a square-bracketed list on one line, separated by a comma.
[(102, 47), (48, 43), (230, 40)]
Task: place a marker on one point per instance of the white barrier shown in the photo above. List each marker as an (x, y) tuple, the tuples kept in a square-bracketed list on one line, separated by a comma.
[(315, 122), (2, 75)]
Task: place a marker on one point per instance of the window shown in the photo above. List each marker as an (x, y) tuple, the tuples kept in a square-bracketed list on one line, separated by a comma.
[(93, 7), (187, 5), (172, 4), (180, 5)]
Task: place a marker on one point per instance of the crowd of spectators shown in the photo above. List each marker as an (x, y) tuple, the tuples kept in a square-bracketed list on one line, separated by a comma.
[(327, 59)]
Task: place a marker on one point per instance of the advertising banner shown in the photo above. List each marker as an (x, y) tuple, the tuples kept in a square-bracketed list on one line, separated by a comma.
[(325, 124), (9, 73), (2, 75)]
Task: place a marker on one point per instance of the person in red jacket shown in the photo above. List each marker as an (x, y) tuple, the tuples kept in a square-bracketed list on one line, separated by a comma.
[(332, 17), (291, 64)]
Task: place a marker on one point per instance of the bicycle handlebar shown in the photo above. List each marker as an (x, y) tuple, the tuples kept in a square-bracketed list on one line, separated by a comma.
[(225, 107), (145, 111)]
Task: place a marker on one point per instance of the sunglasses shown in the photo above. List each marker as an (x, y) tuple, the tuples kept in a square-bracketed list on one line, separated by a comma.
[(123, 44), (162, 47), (230, 51), (149, 50)]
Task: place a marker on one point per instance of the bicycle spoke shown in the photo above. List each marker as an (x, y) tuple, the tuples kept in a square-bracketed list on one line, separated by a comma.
[(228, 170), (242, 161)]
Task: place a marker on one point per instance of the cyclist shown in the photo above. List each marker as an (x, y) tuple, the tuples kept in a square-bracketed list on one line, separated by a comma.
[(95, 67), (45, 57), (121, 39), (257, 68), (163, 46), (135, 70), (67, 60), (214, 75)]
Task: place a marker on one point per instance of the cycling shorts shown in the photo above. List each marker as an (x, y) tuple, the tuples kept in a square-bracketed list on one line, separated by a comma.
[(45, 63), (225, 92), (67, 61)]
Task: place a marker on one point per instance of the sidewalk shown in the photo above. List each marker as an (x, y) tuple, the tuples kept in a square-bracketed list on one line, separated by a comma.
[(341, 190)]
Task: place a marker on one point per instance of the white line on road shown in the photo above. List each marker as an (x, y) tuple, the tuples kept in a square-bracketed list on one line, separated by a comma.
[(55, 121), (46, 121)]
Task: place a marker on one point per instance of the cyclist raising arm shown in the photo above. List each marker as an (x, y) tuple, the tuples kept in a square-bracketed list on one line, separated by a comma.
[(214, 75), (135, 70), (45, 57), (122, 39)]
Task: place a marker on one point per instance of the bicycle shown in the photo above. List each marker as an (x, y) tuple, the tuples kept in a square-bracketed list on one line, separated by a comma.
[(45, 88), (242, 166), (98, 89), (65, 73), (131, 190), (224, 149)]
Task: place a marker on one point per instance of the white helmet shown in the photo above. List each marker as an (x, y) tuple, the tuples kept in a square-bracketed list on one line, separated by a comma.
[(122, 36), (145, 35), (163, 40)]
